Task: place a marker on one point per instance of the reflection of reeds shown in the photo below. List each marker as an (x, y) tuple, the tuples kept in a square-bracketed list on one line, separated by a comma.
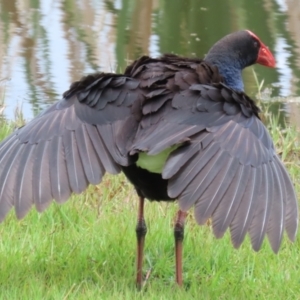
[(107, 35), (24, 27), (293, 8)]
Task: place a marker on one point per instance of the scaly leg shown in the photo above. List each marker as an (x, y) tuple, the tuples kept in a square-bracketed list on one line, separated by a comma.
[(141, 231), (179, 235)]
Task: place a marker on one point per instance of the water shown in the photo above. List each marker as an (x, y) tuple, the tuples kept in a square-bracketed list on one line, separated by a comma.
[(46, 44)]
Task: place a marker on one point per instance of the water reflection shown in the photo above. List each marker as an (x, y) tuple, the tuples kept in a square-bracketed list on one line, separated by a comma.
[(48, 44)]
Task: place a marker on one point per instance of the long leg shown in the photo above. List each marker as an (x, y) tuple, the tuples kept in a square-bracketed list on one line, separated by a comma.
[(141, 231), (179, 235)]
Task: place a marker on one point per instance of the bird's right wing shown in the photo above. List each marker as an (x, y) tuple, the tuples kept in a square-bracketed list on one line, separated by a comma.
[(71, 144), (225, 164), (228, 174)]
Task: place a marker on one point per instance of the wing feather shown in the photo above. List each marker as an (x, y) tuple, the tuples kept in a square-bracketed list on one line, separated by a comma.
[(60, 185), (78, 181), (247, 207), (276, 221), (203, 179), (226, 210), (291, 215), (180, 157), (8, 173), (23, 195), (41, 177), (179, 182), (92, 165), (102, 151), (210, 199), (259, 223)]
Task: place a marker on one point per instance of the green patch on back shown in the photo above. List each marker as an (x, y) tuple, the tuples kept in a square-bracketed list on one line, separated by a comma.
[(154, 163)]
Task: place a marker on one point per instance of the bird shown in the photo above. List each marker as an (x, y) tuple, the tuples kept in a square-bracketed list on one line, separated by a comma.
[(180, 129)]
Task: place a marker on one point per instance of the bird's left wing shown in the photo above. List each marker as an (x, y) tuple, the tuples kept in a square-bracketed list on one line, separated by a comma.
[(71, 144)]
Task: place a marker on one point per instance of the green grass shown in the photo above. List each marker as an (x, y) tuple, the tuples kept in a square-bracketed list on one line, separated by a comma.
[(85, 249)]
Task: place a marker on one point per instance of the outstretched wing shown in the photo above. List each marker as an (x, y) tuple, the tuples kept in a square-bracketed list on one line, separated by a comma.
[(225, 166), (70, 145)]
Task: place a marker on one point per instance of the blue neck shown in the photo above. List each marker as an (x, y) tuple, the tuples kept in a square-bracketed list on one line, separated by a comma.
[(230, 69), (232, 77)]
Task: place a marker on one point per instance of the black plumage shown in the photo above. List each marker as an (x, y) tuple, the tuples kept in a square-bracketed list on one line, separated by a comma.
[(224, 163)]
